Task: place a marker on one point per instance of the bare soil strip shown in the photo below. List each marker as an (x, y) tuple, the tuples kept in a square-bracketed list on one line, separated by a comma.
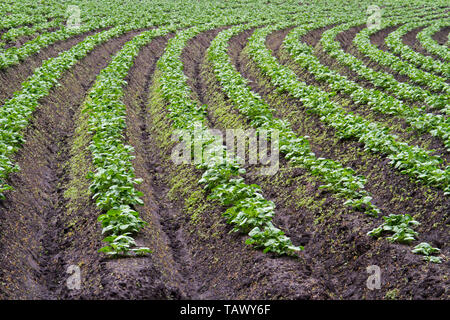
[(351, 247), (36, 227), (398, 125), (442, 35), (12, 77), (346, 40), (346, 43)]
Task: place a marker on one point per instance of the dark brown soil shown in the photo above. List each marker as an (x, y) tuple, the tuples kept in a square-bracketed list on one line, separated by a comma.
[(410, 40), (325, 59), (12, 77), (350, 227), (398, 125), (38, 235)]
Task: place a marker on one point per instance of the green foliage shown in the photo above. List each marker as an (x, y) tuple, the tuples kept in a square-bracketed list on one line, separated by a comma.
[(221, 178), (427, 250), (400, 225)]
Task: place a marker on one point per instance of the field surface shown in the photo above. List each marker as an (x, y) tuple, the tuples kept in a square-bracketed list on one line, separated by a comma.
[(93, 95)]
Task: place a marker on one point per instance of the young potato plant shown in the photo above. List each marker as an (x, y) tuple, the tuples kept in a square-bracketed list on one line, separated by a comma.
[(427, 250)]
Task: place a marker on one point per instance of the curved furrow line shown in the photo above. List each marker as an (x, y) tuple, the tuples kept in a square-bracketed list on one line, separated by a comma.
[(168, 268), (13, 56), (385, 106), (294, 191), (149, 277), (395, 44), (20, 41), (254, 85), (312, 38), (33, 233), (223, 115), (387, 59), (395, 198)]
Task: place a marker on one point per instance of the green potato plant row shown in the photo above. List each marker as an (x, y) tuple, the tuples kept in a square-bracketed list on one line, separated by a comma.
[(430, 44), (395, 43), (386, 58), (419, 164), (342, 181), (385, 81), (416, 117), (113, 179)]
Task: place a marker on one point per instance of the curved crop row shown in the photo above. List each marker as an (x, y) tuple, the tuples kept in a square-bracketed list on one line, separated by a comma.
[(342, 181), (432, 46), (248, 209), (437, 125), (417, 163), (380, 79), (394, 42)]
